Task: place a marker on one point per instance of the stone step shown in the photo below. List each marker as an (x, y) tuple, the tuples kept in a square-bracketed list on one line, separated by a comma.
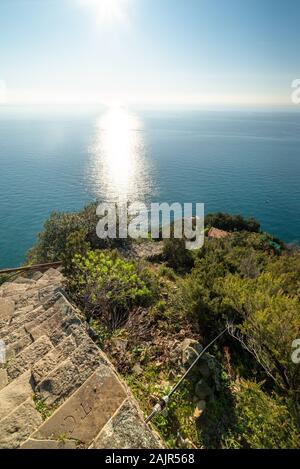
[(127, 430), (15, 334), (16, 427), (28, 357), (10, 289), (24, 315), (55, 326), (85, 413), (52, 322), (3, 379), (39, 294), (53, 358), (69, 375), (7, 309), (16, 347), (24, 280), (60, 443), (15, 393)]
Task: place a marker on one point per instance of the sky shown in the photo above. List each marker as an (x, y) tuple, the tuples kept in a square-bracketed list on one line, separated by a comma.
[(182, 53)]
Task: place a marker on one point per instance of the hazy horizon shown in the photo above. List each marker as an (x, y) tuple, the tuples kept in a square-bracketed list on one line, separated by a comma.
[(197, 55)]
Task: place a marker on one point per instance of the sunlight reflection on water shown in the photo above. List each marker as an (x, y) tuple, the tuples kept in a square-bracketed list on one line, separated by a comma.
[(118, 169)]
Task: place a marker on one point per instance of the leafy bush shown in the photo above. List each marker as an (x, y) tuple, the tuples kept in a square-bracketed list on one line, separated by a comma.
[(167, 272), (270, 323), (177, 256), (52, 241), (227, 222), (53, 238), (107, 287), (262, 421)]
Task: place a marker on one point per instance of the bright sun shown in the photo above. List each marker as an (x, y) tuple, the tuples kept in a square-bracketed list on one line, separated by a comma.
[(107, 10)]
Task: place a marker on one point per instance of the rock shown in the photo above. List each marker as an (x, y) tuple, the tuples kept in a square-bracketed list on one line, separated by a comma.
[(137, 369), (200, 407), (190, 350), (126, 430), (202, 390)]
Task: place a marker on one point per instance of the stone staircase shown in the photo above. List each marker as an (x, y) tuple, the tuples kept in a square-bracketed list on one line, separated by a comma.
[(57, 388)]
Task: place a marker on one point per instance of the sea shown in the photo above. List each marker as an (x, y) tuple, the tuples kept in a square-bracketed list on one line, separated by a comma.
[(240, 162)]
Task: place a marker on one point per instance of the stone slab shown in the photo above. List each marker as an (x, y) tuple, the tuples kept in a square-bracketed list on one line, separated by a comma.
[(126, 430), (83, 415), (28, 357), (7, 308), (18, 425), (48, 444), (15, 394), (3, 379), (52, 359)]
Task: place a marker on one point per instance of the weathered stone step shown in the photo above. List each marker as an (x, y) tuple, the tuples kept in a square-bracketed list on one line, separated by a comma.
[(127, 430), (3, 378), (7, 309), (14, 335), (37, 295), (52, 322), (28, 357), (18, 425), (21, 317), (60, 443), (85, 413), (55, 326), (53, 358), (15, 393), (10, 289), (16, 347), (69, 375), (24, 280)]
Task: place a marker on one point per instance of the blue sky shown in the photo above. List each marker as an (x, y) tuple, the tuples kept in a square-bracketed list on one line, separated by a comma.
[(189, 53)]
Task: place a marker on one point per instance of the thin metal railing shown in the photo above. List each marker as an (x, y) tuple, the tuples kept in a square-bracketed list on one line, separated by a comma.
[(162, 404), (30, 268)]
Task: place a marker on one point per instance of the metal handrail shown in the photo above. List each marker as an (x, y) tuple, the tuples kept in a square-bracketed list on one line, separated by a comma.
[(30, 268)]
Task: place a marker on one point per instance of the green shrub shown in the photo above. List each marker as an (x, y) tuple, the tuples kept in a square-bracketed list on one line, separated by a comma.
[(227, 222), (52, 241), (177, 256), (262, 421), (270, 321), (107, 287), (165, 271)]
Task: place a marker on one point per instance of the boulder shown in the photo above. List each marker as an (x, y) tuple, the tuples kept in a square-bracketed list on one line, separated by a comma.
[(204, 368), (202, 390), (190, 349)]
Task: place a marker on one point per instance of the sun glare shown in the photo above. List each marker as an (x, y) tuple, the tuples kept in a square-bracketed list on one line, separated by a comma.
[(118, 165), (107, 11)]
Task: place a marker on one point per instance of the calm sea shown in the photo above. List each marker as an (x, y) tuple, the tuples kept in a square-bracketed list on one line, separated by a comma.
[(235, 162)]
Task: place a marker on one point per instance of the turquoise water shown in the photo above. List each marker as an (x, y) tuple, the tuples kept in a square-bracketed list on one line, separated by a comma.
[(245, 163)]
